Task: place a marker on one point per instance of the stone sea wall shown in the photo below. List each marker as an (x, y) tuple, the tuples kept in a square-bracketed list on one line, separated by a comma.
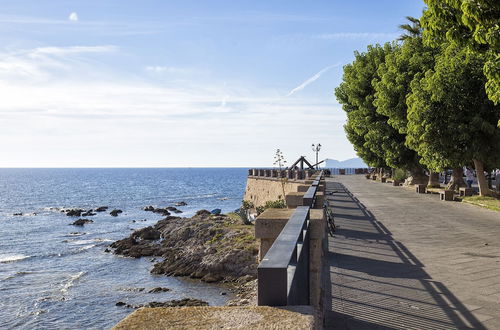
[(259, 190)]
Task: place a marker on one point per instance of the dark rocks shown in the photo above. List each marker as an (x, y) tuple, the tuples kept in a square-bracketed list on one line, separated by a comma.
[(172, 303), (161, 211), (180, 204), (177, 211), (203, 213), (158, 289), (176, 303), (81, 222), (148, 233), (89, 213), (115, 212), (205, 246), (74, 212), (20, 213), (101, 209), (149, 208), (107, 250)]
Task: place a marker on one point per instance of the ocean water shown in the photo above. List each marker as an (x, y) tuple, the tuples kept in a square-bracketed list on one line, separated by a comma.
[(57, 276)]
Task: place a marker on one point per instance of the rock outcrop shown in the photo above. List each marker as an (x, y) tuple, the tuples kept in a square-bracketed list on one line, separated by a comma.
[(115, 212), (210, 247), (81, 222)]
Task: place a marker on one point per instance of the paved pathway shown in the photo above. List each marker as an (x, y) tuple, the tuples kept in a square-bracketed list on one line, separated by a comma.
[(401, 260)]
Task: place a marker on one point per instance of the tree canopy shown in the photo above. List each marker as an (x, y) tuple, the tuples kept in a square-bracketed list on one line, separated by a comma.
[(451, 121), (474, 24)]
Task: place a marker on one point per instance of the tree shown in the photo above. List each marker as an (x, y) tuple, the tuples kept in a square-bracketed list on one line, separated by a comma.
[(376, 142), (471, 23), (451, 121), (396, 74)]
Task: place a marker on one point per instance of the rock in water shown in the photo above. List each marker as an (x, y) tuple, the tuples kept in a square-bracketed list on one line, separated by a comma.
[(205, 246), (101, 209), (216, 211), (81, 222), (148, 233), (149, 208), (74, 212), (158, 289), (115, 212), (89, 213), (180, 204)]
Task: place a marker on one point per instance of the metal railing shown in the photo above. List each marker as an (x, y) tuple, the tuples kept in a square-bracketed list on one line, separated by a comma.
[(283, 274), (274, 173)]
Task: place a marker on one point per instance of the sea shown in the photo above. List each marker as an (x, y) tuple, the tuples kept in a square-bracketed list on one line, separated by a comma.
[(54, 275)]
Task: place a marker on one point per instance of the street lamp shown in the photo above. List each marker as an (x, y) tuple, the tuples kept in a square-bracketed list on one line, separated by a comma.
[(316, 148)]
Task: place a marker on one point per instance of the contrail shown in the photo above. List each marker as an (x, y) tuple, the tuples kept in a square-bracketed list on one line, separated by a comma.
[(312, 79)]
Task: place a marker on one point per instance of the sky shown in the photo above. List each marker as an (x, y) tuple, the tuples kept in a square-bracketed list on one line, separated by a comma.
[(157, 83)]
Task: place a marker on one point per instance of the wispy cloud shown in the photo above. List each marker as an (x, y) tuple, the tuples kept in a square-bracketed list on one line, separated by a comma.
[(64, 109), (312, 79), (73, 17), (166, 69), (356, 35)]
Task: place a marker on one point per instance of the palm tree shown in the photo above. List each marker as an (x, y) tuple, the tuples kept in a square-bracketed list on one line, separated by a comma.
[(413, 29)]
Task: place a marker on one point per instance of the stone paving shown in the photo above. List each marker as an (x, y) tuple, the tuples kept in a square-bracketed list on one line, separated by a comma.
[(402, 260)]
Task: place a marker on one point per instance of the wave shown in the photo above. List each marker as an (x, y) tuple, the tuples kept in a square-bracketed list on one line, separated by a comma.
[(7, 258), (86, 247), (71, 282), (88, 241)]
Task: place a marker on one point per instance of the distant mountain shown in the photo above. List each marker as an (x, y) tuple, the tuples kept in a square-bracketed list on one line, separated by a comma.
[(348, 163)]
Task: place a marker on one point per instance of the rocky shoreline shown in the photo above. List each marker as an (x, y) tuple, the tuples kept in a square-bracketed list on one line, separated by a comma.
[(212, 248)]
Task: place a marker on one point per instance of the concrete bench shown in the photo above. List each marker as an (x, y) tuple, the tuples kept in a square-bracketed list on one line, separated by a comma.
[(383, 180), (465, 192), (446, 195), (421, 188)]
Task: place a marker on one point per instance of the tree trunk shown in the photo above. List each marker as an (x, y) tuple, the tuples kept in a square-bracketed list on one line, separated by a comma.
[(433, 180), (457, 179), (481, 179), (417, 176)]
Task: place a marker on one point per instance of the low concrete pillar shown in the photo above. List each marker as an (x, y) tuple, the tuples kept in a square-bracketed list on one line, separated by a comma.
[(464, 191), (383, 180), (420, 188), (446, 195), (268, 226), (302, 188), (294, 199)]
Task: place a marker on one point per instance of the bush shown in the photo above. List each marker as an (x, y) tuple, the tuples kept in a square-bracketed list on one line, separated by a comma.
[(399, 175)]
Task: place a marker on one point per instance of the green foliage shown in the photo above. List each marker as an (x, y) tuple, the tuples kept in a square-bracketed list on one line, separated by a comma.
[(450, 119), (246, 205), (277, 204), (470, 23), (399, 174), (377, 142)]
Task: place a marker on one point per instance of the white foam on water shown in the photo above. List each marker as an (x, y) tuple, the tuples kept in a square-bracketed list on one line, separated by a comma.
[(86, 247), (6, 258), (71, 282)]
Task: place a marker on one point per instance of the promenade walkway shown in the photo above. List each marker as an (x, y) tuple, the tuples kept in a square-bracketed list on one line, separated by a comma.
[(401, 260)]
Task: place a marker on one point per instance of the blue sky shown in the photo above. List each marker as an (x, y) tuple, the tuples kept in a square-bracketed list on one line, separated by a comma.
[(179, 83)]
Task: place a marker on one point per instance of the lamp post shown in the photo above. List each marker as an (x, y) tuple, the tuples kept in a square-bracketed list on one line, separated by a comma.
[(316, 148)]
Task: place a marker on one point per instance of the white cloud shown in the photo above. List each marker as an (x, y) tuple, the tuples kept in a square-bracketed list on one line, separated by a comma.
[(73, 17), (165, 69), (312, 79), (66, 114)]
